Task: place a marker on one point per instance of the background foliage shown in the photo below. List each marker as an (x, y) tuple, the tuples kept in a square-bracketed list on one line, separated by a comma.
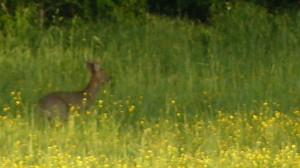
[(53, 11)]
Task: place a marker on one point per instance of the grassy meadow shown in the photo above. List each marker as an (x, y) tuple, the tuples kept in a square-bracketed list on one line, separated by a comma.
[(183, 94)]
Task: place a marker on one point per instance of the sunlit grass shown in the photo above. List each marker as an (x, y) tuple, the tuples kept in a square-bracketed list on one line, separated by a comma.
[(255, 138)]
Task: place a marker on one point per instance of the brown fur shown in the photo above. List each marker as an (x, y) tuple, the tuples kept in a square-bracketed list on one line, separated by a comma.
[(58, 104)]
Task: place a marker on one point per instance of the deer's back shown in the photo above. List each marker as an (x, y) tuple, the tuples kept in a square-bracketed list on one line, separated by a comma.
[(70, 98)]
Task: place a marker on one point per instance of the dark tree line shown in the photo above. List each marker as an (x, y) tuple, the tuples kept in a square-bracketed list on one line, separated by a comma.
[(48, 11), (203, 9)]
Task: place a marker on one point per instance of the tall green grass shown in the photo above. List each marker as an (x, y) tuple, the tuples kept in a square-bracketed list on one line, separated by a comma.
[(199, 93)]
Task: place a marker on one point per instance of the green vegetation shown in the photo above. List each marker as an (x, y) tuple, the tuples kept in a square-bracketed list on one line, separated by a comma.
[(183, 94)]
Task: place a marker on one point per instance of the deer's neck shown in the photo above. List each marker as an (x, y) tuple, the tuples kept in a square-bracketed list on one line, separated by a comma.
[(92, 88)]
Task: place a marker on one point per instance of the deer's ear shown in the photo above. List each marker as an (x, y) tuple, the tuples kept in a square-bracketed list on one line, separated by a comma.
[(96, 67), (89, 65)]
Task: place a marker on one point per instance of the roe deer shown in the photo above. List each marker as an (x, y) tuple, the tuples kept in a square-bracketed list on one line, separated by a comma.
[(58, 104)]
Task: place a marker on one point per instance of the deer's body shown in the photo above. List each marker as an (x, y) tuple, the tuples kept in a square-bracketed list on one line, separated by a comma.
[(58, 104)]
